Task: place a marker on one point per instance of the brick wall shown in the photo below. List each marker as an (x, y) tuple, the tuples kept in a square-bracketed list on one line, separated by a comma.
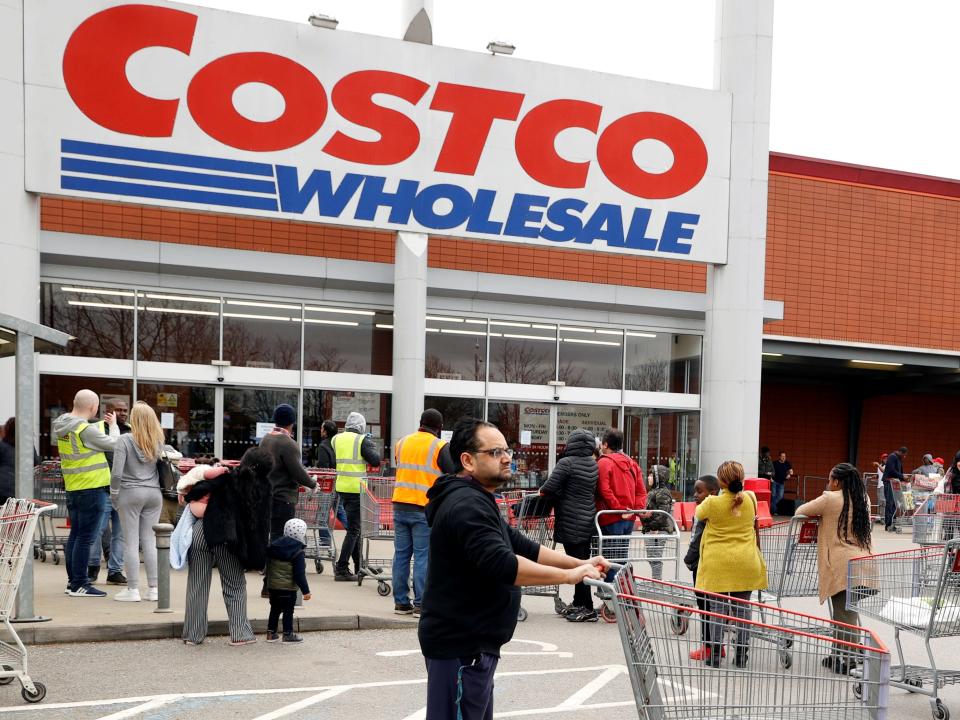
[(924, 423)]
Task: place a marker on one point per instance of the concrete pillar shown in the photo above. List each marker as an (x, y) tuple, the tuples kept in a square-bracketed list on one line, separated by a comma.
[(19, 237), (417, 21), (734, 317), (409, 333)]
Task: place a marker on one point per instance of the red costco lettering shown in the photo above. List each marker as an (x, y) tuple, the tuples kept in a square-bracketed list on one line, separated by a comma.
[(95, 66), (537, 135), (353, 100)]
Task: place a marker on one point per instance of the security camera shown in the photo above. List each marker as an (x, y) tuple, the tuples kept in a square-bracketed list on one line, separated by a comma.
[(220, 365), (556, 385)]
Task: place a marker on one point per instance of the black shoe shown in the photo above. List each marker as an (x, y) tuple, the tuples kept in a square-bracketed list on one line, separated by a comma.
[(740, 659), (584, 615), (291, 638), (272, 636), (116, 578), (416, 611), (93, 572), (344, 577), (403, 609), (835, 665), (571, 610)]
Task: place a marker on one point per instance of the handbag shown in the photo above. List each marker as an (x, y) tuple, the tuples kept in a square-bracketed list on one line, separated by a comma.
[(168, 475)]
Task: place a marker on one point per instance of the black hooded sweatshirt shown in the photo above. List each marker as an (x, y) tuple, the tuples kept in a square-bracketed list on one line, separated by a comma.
[(470, 603)]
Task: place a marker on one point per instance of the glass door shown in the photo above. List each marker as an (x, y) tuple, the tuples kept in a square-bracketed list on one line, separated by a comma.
[(595, 419), (248, 416), (527, 429), (670, 438)]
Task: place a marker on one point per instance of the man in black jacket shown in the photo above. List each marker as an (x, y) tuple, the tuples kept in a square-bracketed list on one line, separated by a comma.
[(477, 565), (288, 473), (893, 470)]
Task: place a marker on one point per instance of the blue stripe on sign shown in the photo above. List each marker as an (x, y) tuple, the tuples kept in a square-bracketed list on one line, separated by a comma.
[(139, 172), (78, 147), (110, 187)]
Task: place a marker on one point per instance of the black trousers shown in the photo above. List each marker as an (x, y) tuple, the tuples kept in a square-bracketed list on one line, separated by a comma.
[(581, 592), (281, 602), (351, 543), (461, 689), (280, 512), (890, 507)]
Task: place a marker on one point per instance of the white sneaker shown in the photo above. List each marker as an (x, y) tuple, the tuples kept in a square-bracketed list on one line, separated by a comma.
[(128, 595), (152, 594)]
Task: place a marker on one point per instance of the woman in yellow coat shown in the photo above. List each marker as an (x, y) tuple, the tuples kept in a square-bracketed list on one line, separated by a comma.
[(730, 559), (844, 533)]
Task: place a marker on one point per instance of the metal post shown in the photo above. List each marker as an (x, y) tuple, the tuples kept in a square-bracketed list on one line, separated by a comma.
[(163, 531)]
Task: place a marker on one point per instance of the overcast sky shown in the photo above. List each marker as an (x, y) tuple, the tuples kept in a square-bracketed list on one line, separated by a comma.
[(872, 82)]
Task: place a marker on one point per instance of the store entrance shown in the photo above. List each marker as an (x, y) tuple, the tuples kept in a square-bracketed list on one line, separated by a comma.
[(538, 433)]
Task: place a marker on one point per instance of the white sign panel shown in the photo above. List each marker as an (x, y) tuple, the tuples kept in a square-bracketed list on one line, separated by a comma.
[(182, 106), (367, 404), (264, 429), (166, 420)]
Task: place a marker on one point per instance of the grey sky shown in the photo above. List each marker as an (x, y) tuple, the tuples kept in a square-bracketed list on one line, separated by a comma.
[(871, 82)]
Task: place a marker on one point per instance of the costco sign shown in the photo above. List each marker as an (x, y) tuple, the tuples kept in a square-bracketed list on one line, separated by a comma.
[(188, 107)]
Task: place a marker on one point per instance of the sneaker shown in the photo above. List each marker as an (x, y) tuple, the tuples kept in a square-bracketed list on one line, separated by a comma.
[(416, 611), (128, 595), (87, 591), (93, 572), (116, 578), (272, 636), (152, 595), (704, 653), (66, 590), (835, 664), (583, 616), (292, 638), (238, 643), (344, 577), (403, 609), (571, 610)]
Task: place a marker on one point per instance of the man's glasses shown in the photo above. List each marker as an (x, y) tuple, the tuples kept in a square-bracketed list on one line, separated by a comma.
[(495, 453)]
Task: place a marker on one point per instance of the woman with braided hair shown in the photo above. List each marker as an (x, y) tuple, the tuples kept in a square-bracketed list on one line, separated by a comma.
[(844, 533)]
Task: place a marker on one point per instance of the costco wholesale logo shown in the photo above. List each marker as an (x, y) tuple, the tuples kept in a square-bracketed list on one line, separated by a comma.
[(350, 178)]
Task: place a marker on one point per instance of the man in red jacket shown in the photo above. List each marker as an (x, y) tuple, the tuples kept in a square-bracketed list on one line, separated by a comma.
[(620, 486)]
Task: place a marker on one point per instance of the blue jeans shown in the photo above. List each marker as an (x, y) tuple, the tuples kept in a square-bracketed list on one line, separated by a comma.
[(110, 522), (611, 551), (776, 495), (412, 536), (86, 510)]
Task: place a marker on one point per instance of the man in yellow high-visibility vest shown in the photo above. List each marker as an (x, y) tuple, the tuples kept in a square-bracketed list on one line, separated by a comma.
[(354, 452), (421, 458), (86, 477)]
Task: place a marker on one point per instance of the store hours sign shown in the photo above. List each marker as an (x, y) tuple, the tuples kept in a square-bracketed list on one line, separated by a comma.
[(182, 106)]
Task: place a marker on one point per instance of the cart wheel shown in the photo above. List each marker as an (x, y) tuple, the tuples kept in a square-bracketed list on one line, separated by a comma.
[(36, 553), (522, 615), (7, 680), (607, 614), (36, 697), (679, 622), (319, 566), (858, 691), (897, 529), (786, 659), (56, 558), (559, 605), (940, 711), (788, 643), (383, 589)]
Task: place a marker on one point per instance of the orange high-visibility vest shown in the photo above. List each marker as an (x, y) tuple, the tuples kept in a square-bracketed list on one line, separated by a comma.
[(417, 459)]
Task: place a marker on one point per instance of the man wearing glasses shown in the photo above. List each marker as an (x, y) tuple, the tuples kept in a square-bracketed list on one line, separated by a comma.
[(477, 566)]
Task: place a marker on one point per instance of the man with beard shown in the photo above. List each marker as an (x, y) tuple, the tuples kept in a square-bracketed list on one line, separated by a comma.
[(476, 568)]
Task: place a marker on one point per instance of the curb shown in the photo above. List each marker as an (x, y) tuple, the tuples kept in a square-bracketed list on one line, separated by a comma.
[(48, 634)]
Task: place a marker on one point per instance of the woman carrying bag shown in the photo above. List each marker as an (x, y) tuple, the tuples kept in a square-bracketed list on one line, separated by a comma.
[(135, 495)]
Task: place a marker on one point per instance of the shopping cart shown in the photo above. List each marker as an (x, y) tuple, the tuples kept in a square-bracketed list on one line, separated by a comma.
[(916, 591), (376, 526), (939, 522), (871, 481), (315, 508), (790, 551), (529, 513), (18, 523), (906, 508), (785, 673), (48, 484), (508, 502)]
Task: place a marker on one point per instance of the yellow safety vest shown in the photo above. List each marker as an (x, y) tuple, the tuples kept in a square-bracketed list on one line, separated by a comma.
[(83, 468), (350, 463), (418, 467)]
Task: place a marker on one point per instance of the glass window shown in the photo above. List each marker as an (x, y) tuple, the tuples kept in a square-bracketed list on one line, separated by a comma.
[(666, 437), (530, 460), (56, 398), (456, 348), (591, 357), (178, 328), (453, 408), (190, 409), (243, 409), (100, 319), (595, 419), (261, 334), (348, 340), (663, 362), (375, 408), (521, 352)]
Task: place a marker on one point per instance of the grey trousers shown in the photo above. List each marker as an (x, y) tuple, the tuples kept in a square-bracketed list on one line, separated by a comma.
[(201, 560), (139, 511), (838, 603)]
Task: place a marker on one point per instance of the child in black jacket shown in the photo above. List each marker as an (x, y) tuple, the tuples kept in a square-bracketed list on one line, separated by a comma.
[(286, 572)]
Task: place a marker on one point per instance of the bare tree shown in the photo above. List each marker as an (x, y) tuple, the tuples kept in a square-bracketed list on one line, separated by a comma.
[(324, 357), (650, 375), (521, 362)]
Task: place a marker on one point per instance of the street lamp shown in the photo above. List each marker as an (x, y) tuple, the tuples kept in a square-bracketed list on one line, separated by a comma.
[(497, 47), (324, 21)]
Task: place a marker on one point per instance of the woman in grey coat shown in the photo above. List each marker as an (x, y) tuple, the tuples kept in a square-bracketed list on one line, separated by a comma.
[(572, 487), (135, 494)]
